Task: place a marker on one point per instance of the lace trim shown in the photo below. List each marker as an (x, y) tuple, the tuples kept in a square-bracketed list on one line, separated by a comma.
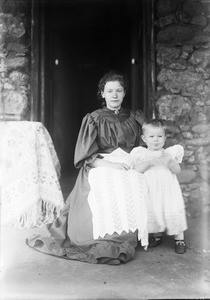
[(36, 215), (117, 202)]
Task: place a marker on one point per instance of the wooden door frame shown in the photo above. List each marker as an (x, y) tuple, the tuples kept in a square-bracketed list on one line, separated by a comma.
[(149, 63), (143, 41), (38, 112), (37, 62)]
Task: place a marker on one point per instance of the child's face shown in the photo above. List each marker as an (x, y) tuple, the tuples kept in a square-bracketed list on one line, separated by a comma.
[(154, 137)]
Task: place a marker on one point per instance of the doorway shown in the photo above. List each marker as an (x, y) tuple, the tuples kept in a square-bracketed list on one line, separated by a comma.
[(79, 41)]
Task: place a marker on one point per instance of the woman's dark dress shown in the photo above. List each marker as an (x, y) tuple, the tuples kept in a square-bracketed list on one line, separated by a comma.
[(71, 235)]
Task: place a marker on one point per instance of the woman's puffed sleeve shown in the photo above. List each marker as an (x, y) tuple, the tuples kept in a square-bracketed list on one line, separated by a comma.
[(86, 146), (139, 117)]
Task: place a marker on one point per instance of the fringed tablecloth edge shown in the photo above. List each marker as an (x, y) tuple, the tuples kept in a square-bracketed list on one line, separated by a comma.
[(36, 215)]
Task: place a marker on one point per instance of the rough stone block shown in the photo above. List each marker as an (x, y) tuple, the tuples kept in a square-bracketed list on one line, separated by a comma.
[(207, 28), (200, 57), (17, 47), (16, 62), (186, 176), (199, 20), (181, 80), (198, 142), (167, 20), (204, 170), (165, 7), (13, 102), (187, 135), (174, 107), (194, 8), (175, 34), (186, 51), (199, 41), (200, 128), (19, 78), (165, 55)]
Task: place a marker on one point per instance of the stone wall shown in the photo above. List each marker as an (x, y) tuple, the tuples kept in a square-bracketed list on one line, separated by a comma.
[(183, 90), (14, 59), (182, 33)]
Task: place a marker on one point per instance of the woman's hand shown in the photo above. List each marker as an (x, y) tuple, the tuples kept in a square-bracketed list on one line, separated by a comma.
[(119, 166)]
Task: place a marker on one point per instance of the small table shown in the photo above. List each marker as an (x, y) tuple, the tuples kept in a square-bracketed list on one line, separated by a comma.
[(30, 191)]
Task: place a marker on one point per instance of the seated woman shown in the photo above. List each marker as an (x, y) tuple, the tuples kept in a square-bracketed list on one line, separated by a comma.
[(74, 234)]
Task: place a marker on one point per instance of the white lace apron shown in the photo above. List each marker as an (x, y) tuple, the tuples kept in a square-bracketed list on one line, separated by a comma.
[(117, 199)]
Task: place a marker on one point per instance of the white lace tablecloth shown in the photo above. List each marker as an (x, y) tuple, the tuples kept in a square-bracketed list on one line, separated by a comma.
[(30, 192)]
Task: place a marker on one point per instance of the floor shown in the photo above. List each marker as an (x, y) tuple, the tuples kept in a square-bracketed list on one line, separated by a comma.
[(159, 273)]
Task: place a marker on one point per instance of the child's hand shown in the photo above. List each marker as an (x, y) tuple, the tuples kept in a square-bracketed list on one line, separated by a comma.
[(157, 162), (174, 166), (161, 161), (166, 159)]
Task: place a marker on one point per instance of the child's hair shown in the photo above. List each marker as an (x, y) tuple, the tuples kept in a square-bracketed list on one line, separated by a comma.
[(154, 123)]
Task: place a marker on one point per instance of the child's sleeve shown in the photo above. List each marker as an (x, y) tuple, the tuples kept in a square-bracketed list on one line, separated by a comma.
[(138, 154), (176, 152)]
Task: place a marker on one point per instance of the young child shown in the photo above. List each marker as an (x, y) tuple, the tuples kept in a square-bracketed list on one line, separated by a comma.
[(165, 204)]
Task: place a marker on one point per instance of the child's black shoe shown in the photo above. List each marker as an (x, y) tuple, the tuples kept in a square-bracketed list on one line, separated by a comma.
[(180, 246), (155, 241)]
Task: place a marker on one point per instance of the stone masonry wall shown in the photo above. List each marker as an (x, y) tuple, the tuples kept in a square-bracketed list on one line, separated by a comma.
[(182, 31), (14, 59)]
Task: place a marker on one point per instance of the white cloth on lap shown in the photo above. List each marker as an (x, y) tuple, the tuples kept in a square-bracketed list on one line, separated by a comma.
[(117, 199), (120, 156)]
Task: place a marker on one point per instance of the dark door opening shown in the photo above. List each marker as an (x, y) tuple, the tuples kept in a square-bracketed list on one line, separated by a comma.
[(83, 39)]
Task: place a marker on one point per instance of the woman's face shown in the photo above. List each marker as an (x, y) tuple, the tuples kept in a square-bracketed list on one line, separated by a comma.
[(113, 94)]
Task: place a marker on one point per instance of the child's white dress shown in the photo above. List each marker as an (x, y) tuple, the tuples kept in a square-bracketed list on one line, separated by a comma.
[(165, 204)]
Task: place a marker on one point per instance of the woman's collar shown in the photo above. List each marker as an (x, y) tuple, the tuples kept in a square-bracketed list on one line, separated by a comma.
[(116, 112)]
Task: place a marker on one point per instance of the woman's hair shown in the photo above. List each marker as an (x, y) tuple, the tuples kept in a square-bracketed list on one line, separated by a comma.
[(154, 123), (111, 76)]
